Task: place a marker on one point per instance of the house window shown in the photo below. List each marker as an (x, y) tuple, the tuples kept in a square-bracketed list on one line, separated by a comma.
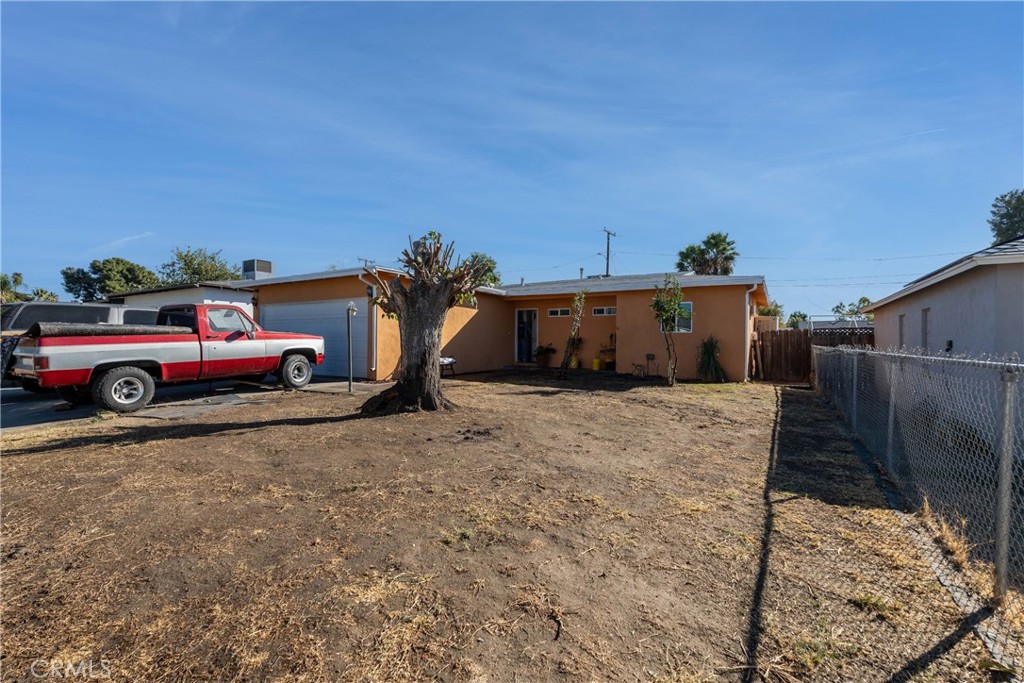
[(558, 312), (924, 328), (604, 310), (684, 319), (902, 320)]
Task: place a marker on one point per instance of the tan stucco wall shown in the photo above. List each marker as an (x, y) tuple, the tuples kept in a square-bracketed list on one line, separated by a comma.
[(718, 311), (484, 338), (480, 338), (981, 311), (595, 331)]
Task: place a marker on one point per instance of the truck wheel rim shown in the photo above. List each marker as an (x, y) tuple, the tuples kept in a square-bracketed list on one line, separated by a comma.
[(127, 390), (298, 373)]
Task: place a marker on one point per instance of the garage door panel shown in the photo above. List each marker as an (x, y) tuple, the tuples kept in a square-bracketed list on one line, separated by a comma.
[(325, 319)]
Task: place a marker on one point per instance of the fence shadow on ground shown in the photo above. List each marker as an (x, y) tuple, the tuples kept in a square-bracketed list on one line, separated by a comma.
[(812, 461)]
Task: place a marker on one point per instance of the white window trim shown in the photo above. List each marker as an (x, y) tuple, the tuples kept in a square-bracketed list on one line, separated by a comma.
[(604, 310), (559, 312)]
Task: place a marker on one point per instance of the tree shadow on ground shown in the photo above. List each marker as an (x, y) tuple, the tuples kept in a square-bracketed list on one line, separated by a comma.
[(130, 435), (547, 383)]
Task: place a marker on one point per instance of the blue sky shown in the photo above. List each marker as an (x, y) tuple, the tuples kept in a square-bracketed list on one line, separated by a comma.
[(829, 140)]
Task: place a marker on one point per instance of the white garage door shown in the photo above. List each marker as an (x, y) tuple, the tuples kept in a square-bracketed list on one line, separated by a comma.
[(326, 319)]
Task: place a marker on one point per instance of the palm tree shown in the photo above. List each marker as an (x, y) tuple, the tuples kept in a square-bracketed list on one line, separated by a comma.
[(40, 294), (716, 255)]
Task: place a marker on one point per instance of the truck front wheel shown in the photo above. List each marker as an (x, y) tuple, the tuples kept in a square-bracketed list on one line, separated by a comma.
[(295, 372), (124, 390)]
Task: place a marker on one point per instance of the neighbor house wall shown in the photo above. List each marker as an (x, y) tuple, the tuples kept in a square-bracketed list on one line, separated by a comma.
[(192, 296), (718, 311), (981, 311)]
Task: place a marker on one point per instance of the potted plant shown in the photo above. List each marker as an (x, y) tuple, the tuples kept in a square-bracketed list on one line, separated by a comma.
[(543, 354)]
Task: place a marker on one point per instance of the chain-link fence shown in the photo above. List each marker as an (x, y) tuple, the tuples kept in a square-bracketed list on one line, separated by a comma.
[(949, 434)]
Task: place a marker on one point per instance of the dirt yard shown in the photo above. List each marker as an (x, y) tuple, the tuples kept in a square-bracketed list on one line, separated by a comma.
[(599, 529)]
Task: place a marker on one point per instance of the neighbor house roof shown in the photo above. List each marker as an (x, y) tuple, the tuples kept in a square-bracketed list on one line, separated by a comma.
[(1009, 251), (240, 285)]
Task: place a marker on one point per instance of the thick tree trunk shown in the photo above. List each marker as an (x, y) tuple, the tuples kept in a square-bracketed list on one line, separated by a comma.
[(673, 358), (421, 314)]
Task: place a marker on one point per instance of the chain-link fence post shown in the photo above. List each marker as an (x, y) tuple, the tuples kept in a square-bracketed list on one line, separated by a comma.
[(891, 431), (1005, 485), (853, 395)]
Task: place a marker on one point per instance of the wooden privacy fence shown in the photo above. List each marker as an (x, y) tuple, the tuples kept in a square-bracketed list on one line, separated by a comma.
[(785, 355)]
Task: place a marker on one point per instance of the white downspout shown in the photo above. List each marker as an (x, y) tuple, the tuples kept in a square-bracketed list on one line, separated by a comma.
[(372, 314), (746, 333)]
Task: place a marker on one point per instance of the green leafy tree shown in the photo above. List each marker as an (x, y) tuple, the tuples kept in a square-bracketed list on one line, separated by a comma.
[(9, 285), (795, 318), (189, 266), (106, 277), (492, 278), (40, 294), (716, 255), (852, 311), (774, 309), (667, 307), (1007, 219), (432, 285), (573, 341)]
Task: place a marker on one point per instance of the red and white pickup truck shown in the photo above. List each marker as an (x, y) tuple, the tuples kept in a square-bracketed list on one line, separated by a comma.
[(121, 364)]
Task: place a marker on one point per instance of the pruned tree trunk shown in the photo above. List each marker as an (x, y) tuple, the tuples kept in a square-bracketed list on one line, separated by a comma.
[(420, 321), (572, 343), (421, 308)]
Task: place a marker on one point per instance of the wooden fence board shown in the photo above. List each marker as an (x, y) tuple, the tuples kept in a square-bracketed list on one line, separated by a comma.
[(785, 355)]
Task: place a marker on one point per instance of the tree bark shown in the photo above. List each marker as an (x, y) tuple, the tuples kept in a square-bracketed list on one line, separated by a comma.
[(421, 312), (673, 358)]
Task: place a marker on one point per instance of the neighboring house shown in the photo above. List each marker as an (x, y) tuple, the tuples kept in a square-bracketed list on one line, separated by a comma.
[(507, 324), (973, 306), (234, 292)]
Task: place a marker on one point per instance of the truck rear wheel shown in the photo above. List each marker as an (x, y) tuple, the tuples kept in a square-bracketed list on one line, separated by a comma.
[(124, 390), (295, 372)]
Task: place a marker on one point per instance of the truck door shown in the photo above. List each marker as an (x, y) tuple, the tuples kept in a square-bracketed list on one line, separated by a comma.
[(230, 347)]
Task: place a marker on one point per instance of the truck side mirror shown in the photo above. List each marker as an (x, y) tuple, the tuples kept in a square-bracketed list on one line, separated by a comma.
[(251, 334)]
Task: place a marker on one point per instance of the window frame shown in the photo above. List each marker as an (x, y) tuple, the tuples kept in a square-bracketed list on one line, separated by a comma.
[(605, 311), (689, 319), (559, 312)]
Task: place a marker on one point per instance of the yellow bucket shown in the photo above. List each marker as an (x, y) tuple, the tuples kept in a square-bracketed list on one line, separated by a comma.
[(596, 365)]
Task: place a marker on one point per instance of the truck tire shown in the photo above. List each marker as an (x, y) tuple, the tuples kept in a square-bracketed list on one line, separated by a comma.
[(124, 390), (295, 372)]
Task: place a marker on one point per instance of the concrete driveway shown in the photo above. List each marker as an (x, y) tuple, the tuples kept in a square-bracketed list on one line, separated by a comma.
[(20, 409)]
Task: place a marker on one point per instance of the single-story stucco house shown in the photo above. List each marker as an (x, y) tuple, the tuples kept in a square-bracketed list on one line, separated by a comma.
[(972, 306), (234, 292), (509, 323)]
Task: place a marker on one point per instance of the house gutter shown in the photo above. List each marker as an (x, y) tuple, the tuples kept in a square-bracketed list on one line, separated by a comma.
[(373, 324), (746, 333)]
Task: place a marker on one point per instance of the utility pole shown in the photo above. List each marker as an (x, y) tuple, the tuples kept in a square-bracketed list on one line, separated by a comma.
[(608, 235)]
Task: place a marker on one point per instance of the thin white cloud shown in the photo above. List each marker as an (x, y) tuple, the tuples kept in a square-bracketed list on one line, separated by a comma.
[(120, 242)]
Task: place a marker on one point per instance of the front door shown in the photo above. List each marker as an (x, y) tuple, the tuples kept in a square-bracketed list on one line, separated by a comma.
[(228, 350), (526, 335)]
